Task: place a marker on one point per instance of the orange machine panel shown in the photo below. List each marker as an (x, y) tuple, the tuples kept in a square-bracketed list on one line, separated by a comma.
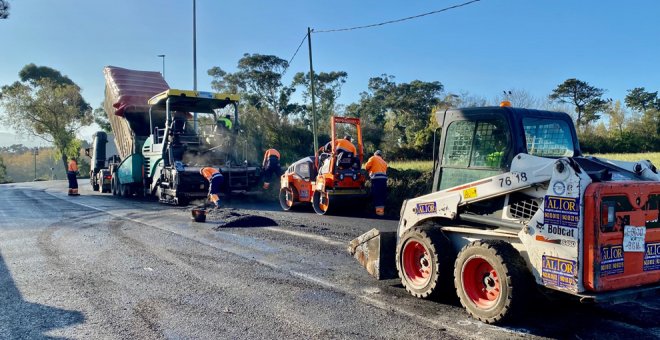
[(608, 208)]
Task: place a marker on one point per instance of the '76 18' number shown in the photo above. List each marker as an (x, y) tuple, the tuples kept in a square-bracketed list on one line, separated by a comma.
[(519, 177)]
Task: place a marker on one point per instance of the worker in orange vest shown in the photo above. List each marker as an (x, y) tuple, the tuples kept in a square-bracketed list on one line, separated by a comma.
[(341, 144), (215, 178), (271, 166), (71, 173), (377, 168)]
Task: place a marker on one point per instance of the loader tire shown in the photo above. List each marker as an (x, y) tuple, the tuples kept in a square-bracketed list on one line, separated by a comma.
[(424, 262), (492, 280), (288, 197)]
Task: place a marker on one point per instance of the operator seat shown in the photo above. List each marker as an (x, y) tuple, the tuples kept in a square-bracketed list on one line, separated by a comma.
[(347, 160)]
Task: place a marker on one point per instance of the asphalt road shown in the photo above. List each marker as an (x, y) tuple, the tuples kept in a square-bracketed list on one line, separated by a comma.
[(97, 266)]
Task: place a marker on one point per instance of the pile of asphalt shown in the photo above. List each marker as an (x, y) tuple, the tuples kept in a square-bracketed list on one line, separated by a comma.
[(231, 218)]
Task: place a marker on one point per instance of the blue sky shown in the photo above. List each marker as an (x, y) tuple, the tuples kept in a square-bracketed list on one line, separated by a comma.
[(483, 48)]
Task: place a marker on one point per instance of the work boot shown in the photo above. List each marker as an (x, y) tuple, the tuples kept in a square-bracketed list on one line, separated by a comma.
[(70, 192), (75, 192)]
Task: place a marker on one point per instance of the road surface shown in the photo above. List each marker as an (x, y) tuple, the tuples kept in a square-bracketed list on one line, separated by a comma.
[(96, 266)]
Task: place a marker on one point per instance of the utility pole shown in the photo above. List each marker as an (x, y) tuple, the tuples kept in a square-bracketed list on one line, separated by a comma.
[(311, 84), (195, 58), (162, 56), (35, 152)]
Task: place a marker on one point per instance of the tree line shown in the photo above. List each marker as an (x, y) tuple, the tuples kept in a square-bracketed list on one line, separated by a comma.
[(397, 117)]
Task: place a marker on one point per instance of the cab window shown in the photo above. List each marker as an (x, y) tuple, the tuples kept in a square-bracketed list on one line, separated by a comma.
[(548, 137), (303, 170), (473, 150)]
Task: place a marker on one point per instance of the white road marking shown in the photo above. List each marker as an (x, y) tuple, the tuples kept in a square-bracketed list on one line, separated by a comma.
[(309, 236)]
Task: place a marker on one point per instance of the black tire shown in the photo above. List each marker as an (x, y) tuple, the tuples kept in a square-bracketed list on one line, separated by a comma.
[(182, 201), (424, 261), (114, 186), (288, 197), (125, 190), (492, 280), (138, 191)]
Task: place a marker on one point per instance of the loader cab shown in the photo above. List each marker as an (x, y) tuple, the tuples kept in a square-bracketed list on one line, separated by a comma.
[(478, 143)]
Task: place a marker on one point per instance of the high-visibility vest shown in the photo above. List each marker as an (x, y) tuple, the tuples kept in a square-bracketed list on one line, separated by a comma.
[(270, 153), (73, 166), (226, 122), (209, 173), (345, 145), (377, 167)]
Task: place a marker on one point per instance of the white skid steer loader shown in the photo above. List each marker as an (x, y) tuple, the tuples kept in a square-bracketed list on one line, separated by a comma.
[(516, 206)]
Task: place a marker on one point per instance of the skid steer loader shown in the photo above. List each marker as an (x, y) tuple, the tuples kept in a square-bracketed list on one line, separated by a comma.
[(515, 206)]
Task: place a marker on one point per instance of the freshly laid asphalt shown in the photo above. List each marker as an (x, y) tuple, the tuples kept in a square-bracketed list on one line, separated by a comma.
[(97, 266)]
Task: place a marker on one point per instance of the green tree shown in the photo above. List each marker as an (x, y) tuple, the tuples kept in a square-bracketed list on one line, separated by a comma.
[(640, 100), (4, 9), (327, 91), (403, 111), (259, 81), (32, 74), (101, 119), (270, 118), (617, 117), (46, 105), (15, 148), (585, 98)]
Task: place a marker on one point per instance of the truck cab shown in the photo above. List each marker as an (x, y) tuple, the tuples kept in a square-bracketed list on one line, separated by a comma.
[(102, 155)]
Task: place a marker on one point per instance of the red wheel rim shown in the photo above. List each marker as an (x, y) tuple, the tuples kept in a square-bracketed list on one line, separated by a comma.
[(417, 264), (481, 282)]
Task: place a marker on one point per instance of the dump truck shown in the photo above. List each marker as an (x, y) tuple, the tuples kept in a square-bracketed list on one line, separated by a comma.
[(164, 136), (103, 155), (516, 207), (330, 180)]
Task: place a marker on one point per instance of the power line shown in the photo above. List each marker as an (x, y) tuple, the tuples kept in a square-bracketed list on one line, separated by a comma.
[(397, 20), (295, 53), (373, 25)]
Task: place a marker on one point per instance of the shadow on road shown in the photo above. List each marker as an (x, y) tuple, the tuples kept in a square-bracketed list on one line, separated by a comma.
[(20, 319)]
